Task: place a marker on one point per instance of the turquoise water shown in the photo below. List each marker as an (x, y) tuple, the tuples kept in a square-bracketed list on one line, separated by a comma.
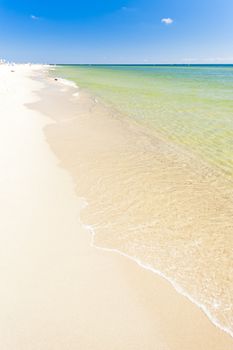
[(190, 105)]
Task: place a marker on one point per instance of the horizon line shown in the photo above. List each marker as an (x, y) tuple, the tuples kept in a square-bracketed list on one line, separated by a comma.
[(142, 64)]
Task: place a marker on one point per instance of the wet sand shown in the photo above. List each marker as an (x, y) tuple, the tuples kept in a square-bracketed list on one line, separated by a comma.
[(57, 291)]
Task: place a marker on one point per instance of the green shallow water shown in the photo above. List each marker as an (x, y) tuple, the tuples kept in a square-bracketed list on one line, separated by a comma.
[(190, 105)]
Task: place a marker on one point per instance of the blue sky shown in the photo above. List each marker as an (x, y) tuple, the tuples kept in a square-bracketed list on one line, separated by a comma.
[(117, 31)]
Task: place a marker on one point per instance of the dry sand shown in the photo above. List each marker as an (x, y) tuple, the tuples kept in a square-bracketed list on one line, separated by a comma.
[(56, 291)]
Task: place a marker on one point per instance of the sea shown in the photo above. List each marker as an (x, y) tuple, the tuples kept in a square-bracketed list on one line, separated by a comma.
[(158, 159)]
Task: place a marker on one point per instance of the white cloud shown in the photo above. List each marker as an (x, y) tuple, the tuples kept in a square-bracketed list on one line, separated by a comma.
[(167, 20), (35, 18)]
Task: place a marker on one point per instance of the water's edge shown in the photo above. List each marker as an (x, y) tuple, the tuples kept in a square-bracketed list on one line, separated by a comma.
[(90, 229)]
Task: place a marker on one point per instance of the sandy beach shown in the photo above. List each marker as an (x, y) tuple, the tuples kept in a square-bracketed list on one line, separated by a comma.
[(57, 291)]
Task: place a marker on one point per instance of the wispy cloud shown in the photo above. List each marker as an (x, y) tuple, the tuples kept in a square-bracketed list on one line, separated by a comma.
[(34, 18), (167, 20)]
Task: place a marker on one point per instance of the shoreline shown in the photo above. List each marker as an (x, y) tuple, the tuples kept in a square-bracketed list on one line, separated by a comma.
[(58, 291), (219, 175), (223, 177), (50, 270), (176, 287)]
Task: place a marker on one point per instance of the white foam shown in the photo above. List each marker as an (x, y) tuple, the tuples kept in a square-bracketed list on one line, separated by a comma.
[(67, 83), (178, 288)]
